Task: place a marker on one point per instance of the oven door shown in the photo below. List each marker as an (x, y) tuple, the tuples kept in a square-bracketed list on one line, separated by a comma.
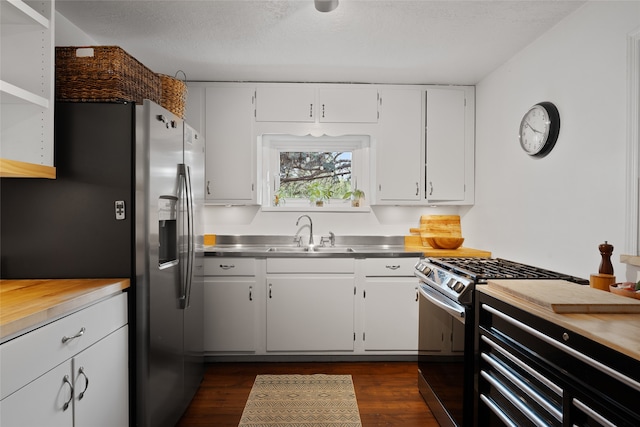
[(445, 357)]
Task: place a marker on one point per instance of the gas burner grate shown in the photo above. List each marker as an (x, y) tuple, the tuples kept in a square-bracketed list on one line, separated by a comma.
[(483, 269)]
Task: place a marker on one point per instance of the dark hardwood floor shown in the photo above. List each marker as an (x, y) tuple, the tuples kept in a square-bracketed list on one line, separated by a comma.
[(387, 392)]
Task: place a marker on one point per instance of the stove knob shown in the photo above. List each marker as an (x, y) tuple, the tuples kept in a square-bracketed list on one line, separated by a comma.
[(426, 270), (458, 287)]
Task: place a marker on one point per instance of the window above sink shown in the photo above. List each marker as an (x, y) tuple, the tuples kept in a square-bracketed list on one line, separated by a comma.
[(307, 172)]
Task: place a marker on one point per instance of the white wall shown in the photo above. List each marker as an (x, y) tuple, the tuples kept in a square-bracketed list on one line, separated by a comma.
[(554, 212), (68, 34), (381, 221)]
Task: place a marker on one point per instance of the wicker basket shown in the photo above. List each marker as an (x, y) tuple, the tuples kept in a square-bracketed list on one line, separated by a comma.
[(103, 73), (174, 94)]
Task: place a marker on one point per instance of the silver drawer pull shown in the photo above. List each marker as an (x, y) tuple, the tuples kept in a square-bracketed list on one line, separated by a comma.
[(86, 382), (593, 414), (392, 267), (227, 266), (66, 380), (522, 386), (496, 410), (78, 335), (515, 400), (569, 350)]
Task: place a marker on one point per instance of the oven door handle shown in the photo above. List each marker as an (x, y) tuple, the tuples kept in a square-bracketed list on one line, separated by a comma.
[(443, 302)]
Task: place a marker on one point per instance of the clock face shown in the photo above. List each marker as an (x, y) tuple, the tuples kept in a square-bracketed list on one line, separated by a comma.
[(539, 129)]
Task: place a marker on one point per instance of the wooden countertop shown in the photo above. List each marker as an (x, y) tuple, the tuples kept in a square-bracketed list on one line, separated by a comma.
[(620, 332), (414, 243), (461, 252), (25, 304)]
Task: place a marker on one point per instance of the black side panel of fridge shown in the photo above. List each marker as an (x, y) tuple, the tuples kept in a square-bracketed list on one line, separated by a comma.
[(67, 227)]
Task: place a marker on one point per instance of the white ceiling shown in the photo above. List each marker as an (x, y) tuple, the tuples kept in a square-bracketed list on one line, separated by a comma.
[(371, 41)]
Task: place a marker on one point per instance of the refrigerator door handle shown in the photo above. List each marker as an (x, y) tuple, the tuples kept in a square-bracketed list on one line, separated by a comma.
[(191, 245), (187, 272)]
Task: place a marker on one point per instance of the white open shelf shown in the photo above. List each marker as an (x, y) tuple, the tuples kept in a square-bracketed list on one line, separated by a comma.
[(26, 86), (12, 94), (17, 12)]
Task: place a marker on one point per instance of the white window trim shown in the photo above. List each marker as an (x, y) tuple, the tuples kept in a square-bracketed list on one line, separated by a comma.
[(270, 146), (633, 145)]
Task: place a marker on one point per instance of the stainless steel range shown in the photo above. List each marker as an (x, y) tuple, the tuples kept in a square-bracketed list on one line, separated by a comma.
[(447, 328)]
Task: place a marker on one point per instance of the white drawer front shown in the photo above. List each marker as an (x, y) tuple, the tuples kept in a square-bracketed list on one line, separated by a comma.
[(310, 265), (389, 266), (223, 266), (27, 357)]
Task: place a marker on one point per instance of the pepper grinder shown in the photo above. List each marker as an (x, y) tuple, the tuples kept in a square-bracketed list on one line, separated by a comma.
[(605, 265)]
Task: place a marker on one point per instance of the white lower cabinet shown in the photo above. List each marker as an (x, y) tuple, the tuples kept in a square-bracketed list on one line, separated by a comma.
[(310, 313), (390, 314), (390, 305), (231, 299), (101, 387), (310, 306), (42, 402), (90, 388), (230, 314)]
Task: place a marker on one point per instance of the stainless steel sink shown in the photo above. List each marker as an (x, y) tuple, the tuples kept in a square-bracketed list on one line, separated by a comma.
[(335, 250), (287, 249), (318, 249)]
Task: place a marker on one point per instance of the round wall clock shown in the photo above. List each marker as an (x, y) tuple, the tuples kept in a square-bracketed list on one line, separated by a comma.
[(539, 129)]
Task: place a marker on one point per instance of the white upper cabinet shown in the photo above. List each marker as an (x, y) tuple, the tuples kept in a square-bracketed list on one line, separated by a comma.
[(348, 105), (425, 147), (399, 168), (446, 144), (27, 88), (309, 103), (285, 104), (422, 136), (230, 173)]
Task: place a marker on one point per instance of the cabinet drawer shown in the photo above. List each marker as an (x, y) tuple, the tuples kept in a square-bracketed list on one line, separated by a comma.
[(307, 265), (389, 266), (27, 357), (223, 266)]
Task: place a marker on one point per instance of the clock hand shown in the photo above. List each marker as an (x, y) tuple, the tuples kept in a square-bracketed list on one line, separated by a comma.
[(531, 127)]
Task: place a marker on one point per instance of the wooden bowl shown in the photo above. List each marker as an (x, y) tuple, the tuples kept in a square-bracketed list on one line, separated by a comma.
[(624, 292), (444, 242)]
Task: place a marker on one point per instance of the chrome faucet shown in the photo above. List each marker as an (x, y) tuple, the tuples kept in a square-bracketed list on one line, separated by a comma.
[(310, 227), (331, 239)]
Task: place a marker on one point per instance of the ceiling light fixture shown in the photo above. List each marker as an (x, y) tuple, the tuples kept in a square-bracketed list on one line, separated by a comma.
[(325, 5)]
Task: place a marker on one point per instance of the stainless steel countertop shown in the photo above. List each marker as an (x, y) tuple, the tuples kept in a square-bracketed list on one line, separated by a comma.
[(284, 247)]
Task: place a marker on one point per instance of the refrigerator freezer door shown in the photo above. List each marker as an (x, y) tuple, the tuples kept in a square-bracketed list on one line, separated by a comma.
[(194, 150), (160, 317)]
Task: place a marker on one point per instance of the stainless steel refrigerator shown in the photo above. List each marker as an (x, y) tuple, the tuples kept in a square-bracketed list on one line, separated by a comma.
[(127, 202)]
